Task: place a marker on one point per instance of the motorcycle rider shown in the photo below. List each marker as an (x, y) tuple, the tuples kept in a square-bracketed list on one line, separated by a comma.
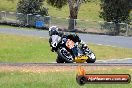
[(74, 37), (53, 30)]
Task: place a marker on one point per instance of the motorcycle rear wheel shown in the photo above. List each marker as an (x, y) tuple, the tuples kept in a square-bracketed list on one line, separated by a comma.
[(59, 60), (65, 55)]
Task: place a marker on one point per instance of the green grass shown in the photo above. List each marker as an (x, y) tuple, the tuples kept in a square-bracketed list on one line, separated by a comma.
[(8, 5), (109, 52), (55, 80), (21, 28), (89, 11), (14, 48), (7, 26)]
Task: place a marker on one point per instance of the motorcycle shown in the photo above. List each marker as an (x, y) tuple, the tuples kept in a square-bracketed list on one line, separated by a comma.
[(62, 46)]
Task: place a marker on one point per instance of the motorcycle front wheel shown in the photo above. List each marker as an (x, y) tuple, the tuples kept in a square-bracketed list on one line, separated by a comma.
[(91, 56)]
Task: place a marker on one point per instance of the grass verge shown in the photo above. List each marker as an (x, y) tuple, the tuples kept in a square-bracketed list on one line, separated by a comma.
[(109, 52), (21, 28), (55, 80), (14, 48)]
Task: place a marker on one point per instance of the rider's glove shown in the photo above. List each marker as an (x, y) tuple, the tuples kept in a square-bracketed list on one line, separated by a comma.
[(84, 45)]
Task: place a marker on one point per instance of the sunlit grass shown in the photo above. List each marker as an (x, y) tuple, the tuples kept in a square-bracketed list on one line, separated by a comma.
[(8, 5), (109, 52), (55, 79), (24, 49)]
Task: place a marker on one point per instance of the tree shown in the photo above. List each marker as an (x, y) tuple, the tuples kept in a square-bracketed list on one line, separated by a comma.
[(31, 7), (74, 6), (116, 11), (34, 7)]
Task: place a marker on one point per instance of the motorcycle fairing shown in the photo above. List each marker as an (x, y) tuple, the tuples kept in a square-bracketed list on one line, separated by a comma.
[(81, 59)]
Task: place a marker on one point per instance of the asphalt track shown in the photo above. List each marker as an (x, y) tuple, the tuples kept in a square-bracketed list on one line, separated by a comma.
[(115, 41)]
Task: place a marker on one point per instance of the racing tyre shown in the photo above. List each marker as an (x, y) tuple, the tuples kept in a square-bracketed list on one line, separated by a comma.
[(91, 59), (59, 60), (65, 55)]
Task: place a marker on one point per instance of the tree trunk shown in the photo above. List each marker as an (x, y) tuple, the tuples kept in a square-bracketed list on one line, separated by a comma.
[(72, 20), (74, 8), (71, 25), (117, 28)]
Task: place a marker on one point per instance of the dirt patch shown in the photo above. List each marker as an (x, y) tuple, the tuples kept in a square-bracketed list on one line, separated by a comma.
[(38, 69)]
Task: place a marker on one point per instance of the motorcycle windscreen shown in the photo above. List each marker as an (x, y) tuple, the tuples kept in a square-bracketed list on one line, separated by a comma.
[(70, 44)]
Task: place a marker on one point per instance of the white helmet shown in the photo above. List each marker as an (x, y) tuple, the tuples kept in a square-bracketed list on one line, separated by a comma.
[(53, 30)]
